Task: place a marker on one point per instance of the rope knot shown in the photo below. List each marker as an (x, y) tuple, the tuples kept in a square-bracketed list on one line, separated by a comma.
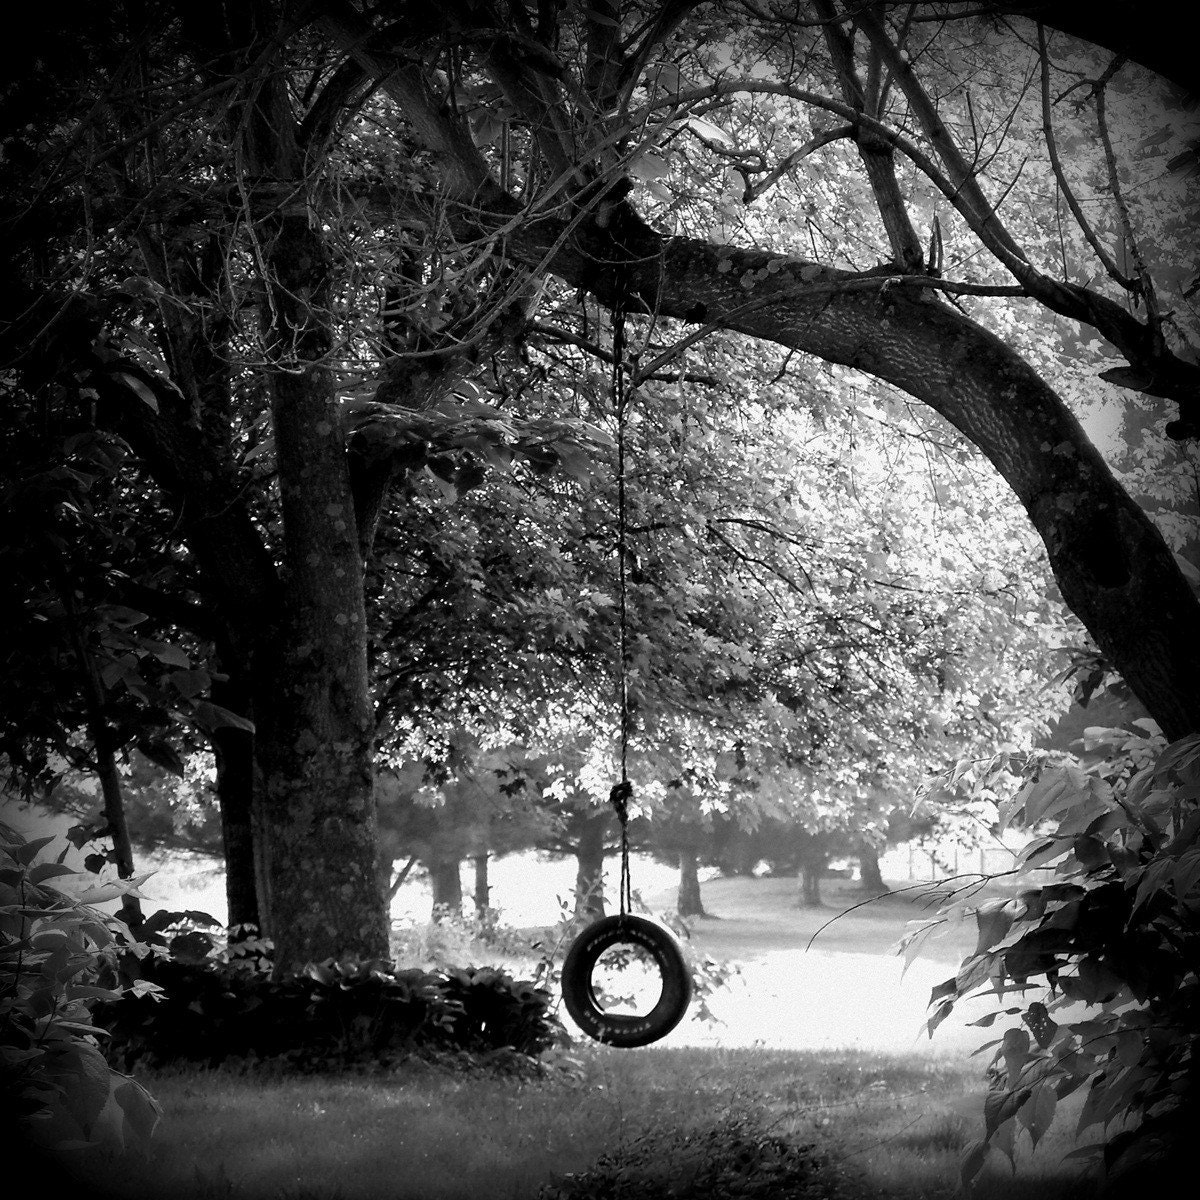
[(619, 798)]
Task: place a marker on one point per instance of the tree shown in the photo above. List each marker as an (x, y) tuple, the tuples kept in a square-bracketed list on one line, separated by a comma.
[(1110, 562), (458, 801), (483, 152)]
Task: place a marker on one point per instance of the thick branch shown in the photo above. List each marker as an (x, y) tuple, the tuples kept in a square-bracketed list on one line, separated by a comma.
[(1113, 567)]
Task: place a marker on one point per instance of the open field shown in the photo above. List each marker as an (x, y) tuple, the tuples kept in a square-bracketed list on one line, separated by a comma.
[(828, 978)]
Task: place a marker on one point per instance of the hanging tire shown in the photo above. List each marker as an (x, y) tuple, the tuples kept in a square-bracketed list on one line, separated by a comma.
[(621, 1029)]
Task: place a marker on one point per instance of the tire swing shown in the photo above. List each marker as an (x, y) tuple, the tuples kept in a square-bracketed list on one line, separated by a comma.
[(624, 929)]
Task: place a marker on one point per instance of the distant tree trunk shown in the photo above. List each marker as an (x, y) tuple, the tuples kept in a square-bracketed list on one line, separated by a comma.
[(445, 877), (104, 747), (483, 889), (689, 903), (872, 878), (589, 873), (393, 883), (810, 886)]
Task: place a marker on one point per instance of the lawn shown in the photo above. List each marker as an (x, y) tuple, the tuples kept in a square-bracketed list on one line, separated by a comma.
[(674, 1120), (849, 1125)]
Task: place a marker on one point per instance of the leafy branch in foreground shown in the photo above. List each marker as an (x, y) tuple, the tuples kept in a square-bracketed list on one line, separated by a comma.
[(1111, 945), (55, 955)]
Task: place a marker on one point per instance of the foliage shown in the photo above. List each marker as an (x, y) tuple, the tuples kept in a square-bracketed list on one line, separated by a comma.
[(331, 1015), (56, 956), (1110, 944), (447, 232), (457, 938), (734, 1156)]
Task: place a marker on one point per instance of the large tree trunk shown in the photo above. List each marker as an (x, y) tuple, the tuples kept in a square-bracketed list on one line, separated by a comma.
[(1113, 567), (315, 808)]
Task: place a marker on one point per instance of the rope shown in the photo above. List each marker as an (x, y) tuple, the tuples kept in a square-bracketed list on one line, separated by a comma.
[(622, 792)]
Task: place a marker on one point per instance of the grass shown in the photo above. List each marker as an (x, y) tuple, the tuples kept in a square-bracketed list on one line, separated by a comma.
[(637, 1125), (869, 1127)]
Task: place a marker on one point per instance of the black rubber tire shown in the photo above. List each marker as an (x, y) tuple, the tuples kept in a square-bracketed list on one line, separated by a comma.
[(620, 1029)]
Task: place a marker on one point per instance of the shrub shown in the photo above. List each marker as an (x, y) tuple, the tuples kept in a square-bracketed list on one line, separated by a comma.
[(1116, 931), (453, 938), (56, 956), (333, 1014), (733, 1157)]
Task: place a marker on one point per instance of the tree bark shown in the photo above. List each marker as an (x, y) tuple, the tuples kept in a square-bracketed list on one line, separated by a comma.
[(315, 808), (689, 902), (810, 884), (483, 888), (445, 878), (104, 748), (589, 872), (872, 878), (1121, 28), (233, 751)]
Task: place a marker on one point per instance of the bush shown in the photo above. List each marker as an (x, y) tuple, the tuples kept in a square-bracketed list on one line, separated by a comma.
[(332, 1015), (56, 956), (733, 1157), (453, 938), (1117, 931)]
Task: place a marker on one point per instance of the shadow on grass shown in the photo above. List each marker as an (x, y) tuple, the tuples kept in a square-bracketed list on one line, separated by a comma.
[(638, 1125)]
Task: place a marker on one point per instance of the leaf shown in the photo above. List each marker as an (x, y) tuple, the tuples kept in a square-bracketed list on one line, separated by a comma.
[(646, 167), (1037, 1113), (82, 1069), (1053, 792), (1000, 1104), (709, 131), (974, 1156), (667, 75), (994, 919), (169, 655), (40, 872), (123, 617), (1040, 1023), (141, 1111), (29, 851), (213, 716), (1015, 1048), (112, 889), (163, 755), (190, 683), (138, 388)]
